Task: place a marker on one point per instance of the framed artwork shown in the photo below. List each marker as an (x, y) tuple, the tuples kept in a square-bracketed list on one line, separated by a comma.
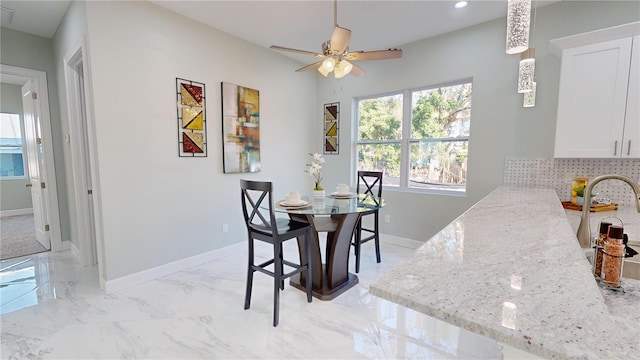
[(192, 124), (240, 129), (331, 128)]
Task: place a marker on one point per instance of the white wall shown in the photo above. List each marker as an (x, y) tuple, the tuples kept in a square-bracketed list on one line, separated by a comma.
[(156, 207), (500, 126)]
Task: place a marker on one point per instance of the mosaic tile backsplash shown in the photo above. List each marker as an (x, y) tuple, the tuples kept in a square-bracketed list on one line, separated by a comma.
[(559, 173)]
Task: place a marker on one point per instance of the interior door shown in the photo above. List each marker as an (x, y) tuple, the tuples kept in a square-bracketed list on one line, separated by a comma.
[(34, 149)]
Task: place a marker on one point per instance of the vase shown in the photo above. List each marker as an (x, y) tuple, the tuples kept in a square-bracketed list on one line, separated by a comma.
[(581, 200), (318, 194)]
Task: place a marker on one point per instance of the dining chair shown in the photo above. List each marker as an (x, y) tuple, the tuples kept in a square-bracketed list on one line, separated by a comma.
[(371, 183), (262, 224)]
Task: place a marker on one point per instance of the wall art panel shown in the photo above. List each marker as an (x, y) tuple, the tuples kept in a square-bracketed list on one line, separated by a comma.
[(331, 128), (240, 129), (192, 124)]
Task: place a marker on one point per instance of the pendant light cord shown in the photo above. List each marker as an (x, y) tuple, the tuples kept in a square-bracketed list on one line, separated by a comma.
[(335, 13)]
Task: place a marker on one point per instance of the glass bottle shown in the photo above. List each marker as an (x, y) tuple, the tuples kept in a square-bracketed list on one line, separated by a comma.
[(613, 257), (599, 249)]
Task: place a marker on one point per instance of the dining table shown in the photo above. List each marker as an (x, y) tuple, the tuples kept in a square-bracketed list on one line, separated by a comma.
[(337, 215)]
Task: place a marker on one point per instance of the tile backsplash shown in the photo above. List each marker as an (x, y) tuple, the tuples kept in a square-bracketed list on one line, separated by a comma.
[(559, 173)]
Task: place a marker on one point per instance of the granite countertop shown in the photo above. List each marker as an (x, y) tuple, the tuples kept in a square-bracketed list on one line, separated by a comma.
[(511, 268)]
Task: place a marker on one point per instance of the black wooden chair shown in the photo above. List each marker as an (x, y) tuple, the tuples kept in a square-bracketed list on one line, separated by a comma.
[(368, 180), (259, 216)]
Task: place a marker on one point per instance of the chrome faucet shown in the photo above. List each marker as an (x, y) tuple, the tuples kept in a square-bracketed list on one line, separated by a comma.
[(584, 230)]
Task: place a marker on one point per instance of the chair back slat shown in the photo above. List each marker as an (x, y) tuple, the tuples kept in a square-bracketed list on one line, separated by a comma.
[(257, 205), (370, 181)]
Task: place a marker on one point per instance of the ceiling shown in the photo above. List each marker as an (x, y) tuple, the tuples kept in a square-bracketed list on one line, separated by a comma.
[(300, 24)]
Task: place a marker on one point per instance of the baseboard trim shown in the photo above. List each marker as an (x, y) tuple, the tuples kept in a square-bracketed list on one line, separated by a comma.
[(74, 251), (14, 212), (115, 285), (404, 242)]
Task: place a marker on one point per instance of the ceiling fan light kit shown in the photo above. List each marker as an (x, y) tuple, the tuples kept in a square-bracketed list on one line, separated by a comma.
[(329, 64), (323, 70), (335, 53)]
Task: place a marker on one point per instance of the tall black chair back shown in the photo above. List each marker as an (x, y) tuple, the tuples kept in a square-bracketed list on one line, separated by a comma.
[(262, 224), (369, 183)]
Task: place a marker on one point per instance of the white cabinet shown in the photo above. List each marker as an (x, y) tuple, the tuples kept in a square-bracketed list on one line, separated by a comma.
[(631, 138), (598, 101)]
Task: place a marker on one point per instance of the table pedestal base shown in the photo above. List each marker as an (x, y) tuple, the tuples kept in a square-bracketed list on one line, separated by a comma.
[(326, 292), (331, 278)]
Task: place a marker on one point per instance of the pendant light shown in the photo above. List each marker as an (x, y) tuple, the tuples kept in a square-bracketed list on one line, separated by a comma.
[(518, 21), (526, 70), (530, 97)]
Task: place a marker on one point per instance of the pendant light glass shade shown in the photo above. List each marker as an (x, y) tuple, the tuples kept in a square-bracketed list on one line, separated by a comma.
[(323, 70), (329, 64), (526, 71), (518, 21), (343, 68), (530, 97)]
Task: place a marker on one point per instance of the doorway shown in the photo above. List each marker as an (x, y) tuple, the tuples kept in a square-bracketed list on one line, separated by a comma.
[(39, 153), (81, 153)]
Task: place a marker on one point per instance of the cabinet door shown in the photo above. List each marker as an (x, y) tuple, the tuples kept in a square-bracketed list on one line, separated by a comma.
[(592, 99), (631, 137)]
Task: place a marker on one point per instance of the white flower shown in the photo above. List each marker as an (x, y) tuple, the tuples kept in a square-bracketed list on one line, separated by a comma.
[(318, 157), (314, 169)]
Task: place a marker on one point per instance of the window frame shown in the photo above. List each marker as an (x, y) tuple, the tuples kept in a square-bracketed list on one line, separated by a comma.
[(22, 146), (406, 140)]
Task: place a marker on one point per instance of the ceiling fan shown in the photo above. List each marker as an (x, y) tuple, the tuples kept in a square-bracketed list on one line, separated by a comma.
[(335, 53)]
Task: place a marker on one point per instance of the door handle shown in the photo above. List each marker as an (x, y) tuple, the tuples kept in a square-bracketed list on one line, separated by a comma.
[(28, 185), (615, 148)]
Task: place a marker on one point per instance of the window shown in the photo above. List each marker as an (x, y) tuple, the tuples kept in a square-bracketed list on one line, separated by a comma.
[(418, 138), (11, 150)]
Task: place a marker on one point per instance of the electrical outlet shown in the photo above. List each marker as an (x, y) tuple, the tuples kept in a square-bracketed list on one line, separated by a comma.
[(225, 228), (387, 219)]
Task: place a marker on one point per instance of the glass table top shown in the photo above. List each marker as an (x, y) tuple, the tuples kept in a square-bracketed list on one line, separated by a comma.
[(333, 206)]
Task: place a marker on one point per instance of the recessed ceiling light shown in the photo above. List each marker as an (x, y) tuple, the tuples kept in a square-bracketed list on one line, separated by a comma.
[(461, 4)]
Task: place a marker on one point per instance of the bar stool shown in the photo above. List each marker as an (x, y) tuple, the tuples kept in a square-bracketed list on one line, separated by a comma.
[(259, 216), (369, 180)]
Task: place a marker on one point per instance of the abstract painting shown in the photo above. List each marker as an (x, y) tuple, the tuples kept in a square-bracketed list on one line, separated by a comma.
[(240, 129), (331, 128), (192, 124)]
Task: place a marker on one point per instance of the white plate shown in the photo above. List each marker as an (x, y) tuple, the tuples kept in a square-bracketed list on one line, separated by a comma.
[(300, 203), (343, 196)]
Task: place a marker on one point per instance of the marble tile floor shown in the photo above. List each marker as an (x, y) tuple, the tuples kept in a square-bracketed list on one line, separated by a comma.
[(52, 308)]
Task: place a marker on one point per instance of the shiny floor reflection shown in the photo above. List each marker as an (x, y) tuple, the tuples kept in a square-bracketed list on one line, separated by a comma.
[(52, 307)]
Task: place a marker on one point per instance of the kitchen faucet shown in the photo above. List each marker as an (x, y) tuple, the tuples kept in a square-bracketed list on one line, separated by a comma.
[(584, 230)]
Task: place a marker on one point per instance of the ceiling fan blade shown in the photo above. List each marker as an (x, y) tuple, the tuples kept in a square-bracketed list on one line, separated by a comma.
[(315, 65), (356, 70), (340, 39), (374, 55), (304, 52)]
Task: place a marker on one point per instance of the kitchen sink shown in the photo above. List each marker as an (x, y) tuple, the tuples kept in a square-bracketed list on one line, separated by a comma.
[(631, 267)]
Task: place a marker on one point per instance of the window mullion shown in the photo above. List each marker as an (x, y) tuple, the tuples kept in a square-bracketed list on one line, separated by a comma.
[(406, 137)]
